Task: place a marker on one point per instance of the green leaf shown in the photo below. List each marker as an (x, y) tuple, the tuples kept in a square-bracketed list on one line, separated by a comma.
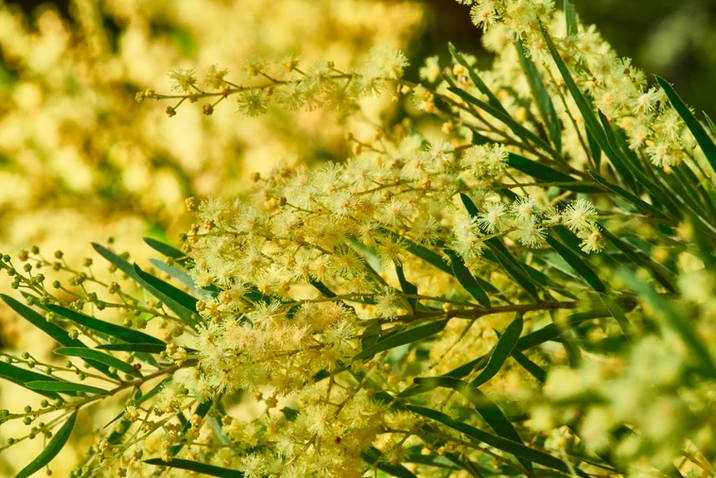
[(134, 347), (590, 119), (201, 410), (54, 331), (488, 410), (711, 124), (500, 353), (511, 265), (639, 203), (164, 249), (322, 288), (98, 356), (505, 119), (197, 467), (542, 97), (396, 340), (552, 331), (22, 377), (547, 174), (535, 370), (372, 457), (509, 446), (181, 276), (618, 314), (177, 300), (475, 78), (577, 264), (658, 272), (570, 15), (467, 280), (65, 387), (188, 315), (124, 333), (51, 450), (702, 138), (407, 287)]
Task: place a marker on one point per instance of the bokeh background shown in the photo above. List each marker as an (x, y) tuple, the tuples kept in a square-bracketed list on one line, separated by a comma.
[(81, 160)]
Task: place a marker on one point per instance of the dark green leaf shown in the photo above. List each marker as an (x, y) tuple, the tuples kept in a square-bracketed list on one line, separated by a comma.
[(372, 457), (702, 138), (201, 410), (98, 356), (475, 78), (639, 203), (507, 120), (535, 370), (144, 348), (547, 174), (509, 446), (711, 124), (54, 331), (658, 272), (570, 15), (467, 280), (51, 450), (577, 264), (542, 98), (322, 288), (408, 287), (618, 314), (409, 336), (65, 387), (197, 467), (186, 314), (164, 249), (21, 377), (124, 333), (177, 300), (500, 353), (180, 275)]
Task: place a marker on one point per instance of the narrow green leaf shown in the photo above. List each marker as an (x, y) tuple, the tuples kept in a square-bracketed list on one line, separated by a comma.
[(54, 331), (577, 264), (660, 273), (372, 457), (322, 288), (618, 314), (535, 370), (594, 150), (500, 353), (22, 377), (542, 98), (509, 446), (124, 333), (409, 336), (197, 467), (702, 138), (186, 314), (51, 450), (590, 119), (547, 174), (511, 265), (407, 287), (552, 331), (98, 356), (134, 347), (711, 124), (467, 280), (164, 249), (488, 410), (65, 387), (507, 120), (182, 276), (639, 203), (177, 300), (475, 78), (570, 15), (201, 410)]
